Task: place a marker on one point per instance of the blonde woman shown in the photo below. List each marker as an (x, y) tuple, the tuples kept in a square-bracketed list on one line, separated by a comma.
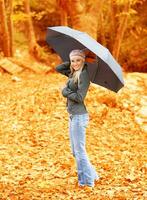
[(75, 92)]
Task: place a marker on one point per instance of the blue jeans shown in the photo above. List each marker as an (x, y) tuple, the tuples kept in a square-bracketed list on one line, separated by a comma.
[(77, 128)]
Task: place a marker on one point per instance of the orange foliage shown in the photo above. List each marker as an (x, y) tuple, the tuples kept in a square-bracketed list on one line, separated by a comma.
[(36, 161)]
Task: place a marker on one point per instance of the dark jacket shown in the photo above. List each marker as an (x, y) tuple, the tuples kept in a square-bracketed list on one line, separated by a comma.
[(75, 92)]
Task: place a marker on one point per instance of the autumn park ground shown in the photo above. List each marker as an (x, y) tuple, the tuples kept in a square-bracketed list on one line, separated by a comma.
[(35, 155)]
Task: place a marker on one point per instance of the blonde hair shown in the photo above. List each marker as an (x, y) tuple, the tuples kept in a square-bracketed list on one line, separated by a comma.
[(76, 74)]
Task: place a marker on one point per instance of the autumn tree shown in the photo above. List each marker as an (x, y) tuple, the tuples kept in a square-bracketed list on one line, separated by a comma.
[(5, 30), (81, 15), (10, 24), (33, 46), (84, 15), (63, 7), (122, 12), (121, 28)]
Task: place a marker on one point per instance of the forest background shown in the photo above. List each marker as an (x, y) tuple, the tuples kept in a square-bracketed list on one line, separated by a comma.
[(120, 25), (35, 157)]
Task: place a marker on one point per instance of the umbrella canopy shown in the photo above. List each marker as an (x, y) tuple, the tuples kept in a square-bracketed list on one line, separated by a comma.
[(103, 69)]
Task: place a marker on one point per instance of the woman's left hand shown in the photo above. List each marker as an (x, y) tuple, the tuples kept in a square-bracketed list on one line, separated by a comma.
[(66, 91)]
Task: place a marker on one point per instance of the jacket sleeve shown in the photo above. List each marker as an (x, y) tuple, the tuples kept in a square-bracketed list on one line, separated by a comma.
[(81, 92), (64, 68)]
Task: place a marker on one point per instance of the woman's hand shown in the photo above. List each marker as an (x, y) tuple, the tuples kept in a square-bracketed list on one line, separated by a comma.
[(66, 91)]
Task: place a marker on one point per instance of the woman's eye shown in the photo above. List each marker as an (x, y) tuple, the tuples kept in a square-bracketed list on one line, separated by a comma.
[(74, 61)]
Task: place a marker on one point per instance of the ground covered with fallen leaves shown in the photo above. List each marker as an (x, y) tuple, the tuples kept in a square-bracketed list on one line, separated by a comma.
[(35, 156)]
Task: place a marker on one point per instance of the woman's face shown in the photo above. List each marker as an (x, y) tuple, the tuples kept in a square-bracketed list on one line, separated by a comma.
[(76, 62)]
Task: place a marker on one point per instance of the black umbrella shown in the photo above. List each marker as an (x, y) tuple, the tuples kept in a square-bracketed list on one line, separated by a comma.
[(102, 67)]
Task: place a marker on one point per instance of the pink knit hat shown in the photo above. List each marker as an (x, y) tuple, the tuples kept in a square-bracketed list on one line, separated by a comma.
[(77, 52)]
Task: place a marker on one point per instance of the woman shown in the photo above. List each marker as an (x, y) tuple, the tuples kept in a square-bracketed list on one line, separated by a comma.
[(75, 92)]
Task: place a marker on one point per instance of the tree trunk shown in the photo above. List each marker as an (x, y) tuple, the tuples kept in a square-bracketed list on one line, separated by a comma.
[(114, 23), (64, 21), (96, 21), (62, 5), (76, 12), (120, 32), (10, 26), (33, 46), (4, 27), (101, 37)]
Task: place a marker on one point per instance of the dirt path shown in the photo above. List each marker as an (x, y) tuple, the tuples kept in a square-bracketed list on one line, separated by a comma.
[(35, 158)]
